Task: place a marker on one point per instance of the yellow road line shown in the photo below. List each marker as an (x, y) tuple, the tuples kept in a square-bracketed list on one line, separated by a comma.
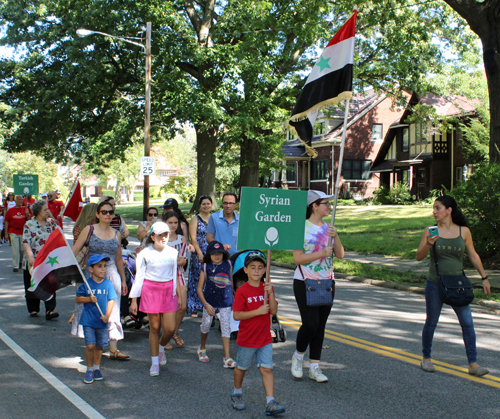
[(395, 353)]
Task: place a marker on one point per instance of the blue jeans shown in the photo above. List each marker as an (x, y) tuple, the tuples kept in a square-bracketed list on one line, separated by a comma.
[(433, 305)]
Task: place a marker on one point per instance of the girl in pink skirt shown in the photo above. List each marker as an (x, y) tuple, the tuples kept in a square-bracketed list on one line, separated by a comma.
[(156, 284)]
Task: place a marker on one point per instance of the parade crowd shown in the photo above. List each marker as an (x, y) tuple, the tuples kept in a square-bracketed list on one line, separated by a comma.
[(190, 267)]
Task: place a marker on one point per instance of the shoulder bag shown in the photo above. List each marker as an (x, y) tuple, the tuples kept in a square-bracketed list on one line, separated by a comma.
[(82, 256), (454, 290), (319, 292)]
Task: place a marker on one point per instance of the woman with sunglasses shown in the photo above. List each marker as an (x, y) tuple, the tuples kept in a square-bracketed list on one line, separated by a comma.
[(10, 202), (198, 231), (314, 262), (106, 241), (144, 226)]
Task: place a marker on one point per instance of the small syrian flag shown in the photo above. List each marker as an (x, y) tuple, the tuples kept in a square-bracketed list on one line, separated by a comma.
[(75, 203), (55, 267), (329, 83)]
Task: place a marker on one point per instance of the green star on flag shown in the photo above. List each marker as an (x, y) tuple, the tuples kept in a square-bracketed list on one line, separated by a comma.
[(52, 261), (323, 63)]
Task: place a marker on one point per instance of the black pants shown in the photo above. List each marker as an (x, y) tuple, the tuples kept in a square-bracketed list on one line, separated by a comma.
[(312, 331), (32, 302)]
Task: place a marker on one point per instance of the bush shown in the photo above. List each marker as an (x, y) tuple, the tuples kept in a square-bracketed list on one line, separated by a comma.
[(155, 192), (381, 195), (400, 194), (479, 200)]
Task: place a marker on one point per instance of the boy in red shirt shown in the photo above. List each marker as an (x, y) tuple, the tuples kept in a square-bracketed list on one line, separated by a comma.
[(253, 335)]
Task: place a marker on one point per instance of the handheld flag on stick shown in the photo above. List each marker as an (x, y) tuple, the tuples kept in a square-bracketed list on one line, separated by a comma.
[(329, 83), (75, 203)]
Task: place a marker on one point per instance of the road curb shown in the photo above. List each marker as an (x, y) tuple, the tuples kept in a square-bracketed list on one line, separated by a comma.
[(491, 305)]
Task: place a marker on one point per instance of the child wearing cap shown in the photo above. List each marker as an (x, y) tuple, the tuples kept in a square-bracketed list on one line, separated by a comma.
[(95, 325), (216, 294), (156, 283), (254, 338)]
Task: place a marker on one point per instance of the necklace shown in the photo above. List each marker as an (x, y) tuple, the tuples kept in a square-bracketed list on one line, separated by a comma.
[(215, 268)]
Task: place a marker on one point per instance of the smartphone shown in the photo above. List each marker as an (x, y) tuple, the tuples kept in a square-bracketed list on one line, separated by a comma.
[(433, 230)]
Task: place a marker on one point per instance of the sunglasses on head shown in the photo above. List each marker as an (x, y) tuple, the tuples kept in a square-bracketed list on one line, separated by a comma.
[(106, 212), (153, 215)]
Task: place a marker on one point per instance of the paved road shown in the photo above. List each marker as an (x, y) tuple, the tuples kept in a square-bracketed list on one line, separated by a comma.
[(371, 355)]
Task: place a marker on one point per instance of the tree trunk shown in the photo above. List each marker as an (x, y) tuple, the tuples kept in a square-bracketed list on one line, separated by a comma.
[(249, 163), (206, 145), (484, 20)]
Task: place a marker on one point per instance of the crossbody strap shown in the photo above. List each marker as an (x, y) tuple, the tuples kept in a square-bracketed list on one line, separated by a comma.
[(435, 258), (302, 273)]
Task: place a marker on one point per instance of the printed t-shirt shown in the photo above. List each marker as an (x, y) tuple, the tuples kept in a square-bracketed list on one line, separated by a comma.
[(218, 290), (55, 209), (316, 239), (254, 332), (104, 292), (16, 217)]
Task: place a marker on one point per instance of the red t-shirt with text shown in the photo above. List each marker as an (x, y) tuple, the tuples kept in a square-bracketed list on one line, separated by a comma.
[(16, 217), (55, 209), (254, 332)]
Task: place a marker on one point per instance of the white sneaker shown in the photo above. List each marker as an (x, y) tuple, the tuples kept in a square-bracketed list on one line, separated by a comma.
[(297, 367), (316, 375), (154, 370), (162, 357)]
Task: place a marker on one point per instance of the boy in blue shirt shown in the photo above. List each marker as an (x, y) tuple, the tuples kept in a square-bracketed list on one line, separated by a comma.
[(95, 326)]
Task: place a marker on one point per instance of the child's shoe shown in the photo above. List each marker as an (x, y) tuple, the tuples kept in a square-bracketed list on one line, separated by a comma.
[(154, 371), (238, 402), (162, 357), (274, 408), (202, 355), (89, 377), (98, 376), (229, 363)]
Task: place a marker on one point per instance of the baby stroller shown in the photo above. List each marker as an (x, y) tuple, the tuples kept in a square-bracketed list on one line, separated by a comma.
[(128, 319), (240, 277)]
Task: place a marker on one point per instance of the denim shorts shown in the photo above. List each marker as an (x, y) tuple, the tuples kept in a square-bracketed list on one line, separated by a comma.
[(97, 337), (263, 357)]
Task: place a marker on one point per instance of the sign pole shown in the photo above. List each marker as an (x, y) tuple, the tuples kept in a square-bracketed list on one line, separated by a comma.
[(268, 274), (339, 170)]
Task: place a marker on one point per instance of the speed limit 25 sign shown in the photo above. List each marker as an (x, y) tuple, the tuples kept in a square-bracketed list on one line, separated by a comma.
[(147, 166)]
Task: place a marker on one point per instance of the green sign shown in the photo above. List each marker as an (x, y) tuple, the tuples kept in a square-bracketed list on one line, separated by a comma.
[(26, 184), (272, 219)]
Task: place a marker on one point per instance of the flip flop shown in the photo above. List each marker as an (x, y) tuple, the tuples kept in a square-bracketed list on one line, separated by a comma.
[(169, 346)]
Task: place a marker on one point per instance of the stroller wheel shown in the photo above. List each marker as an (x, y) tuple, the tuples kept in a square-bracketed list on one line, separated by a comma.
[(282, 335)]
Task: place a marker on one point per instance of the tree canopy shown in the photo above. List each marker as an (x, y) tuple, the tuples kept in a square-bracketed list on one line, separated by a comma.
[(233, 69)]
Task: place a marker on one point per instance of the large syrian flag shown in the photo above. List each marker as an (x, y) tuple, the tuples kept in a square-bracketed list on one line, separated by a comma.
[(75, 203), (55, 267), (329, 83)]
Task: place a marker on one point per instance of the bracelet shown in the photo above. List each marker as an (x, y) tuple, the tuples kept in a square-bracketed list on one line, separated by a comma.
[(206, 304), (485, 278)]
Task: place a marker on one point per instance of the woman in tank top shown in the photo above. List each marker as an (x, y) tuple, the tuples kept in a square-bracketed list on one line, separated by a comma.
[(453, 238)]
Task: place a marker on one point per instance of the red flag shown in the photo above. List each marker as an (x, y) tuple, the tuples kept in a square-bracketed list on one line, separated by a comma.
[(75, 203)]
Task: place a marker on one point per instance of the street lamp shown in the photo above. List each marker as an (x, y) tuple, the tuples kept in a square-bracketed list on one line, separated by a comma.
[(147, 117)]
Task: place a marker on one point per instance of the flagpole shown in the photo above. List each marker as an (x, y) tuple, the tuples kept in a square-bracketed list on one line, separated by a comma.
[(80, 269), (70, 195), (339, 170)]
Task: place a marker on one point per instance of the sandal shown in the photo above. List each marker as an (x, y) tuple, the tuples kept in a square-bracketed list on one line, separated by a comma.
[(169, 346), (119, 355), (229, 363), (202, 355), (178, 340), (70, 320)]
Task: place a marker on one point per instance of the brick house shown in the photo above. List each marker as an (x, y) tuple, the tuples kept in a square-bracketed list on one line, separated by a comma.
[(370, 116), (419, 153)]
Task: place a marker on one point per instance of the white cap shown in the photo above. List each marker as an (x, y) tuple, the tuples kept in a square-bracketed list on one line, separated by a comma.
[(313, 196), (159, 227)]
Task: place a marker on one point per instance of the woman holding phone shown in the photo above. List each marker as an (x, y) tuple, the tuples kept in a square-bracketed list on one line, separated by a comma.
[(451, 237)]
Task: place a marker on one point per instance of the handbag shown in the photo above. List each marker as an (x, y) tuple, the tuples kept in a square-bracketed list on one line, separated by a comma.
[(82, 257), (319, 292), (454, 290)]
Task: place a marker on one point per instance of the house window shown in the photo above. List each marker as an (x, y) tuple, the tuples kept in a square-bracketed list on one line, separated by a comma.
[(319, 128), (357, 169), (319, 169), (420, 132), (377, 130), (406, 176), (290, 172), (405, 140), (459, 135), (440, 144)]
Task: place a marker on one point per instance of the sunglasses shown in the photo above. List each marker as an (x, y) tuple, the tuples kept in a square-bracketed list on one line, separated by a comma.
[(106, 212), (152, 215)]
